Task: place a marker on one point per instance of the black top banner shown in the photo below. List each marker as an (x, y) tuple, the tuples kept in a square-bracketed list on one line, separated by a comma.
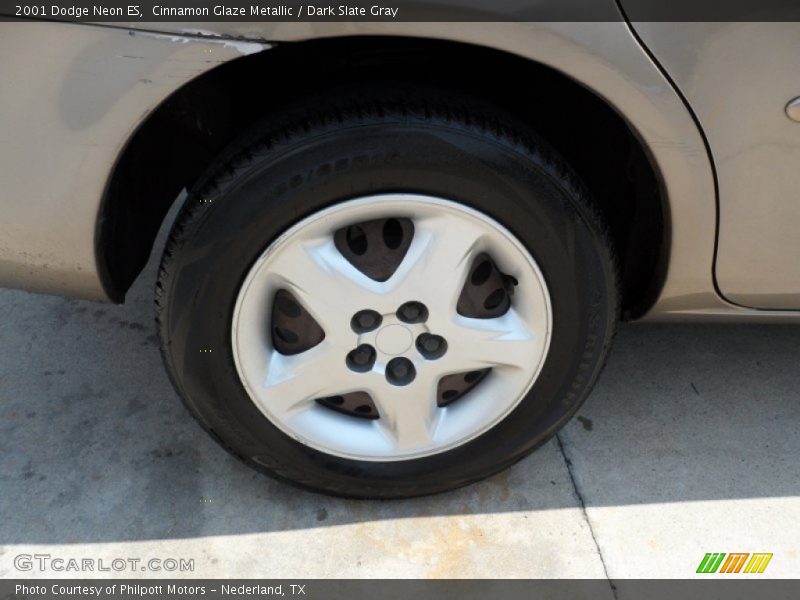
[(193, 11)]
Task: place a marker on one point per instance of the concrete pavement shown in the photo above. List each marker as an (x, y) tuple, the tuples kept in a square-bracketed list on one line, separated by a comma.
[(689, 444)]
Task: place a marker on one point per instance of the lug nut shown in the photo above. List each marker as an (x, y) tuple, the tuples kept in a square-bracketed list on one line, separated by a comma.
[(361, 359), (431, 346), (365, 320), (412, 312), (400, 371)]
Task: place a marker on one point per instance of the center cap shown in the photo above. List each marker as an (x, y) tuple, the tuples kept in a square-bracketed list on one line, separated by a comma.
[(394, 339)]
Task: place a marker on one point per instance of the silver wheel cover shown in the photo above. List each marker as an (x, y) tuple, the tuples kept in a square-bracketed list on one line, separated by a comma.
[(447, 238)]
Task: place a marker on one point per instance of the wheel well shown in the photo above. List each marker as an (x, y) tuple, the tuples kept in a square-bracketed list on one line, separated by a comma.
[(172, 148)]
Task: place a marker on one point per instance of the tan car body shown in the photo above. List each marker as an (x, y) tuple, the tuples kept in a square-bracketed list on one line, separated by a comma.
[(705, 101)]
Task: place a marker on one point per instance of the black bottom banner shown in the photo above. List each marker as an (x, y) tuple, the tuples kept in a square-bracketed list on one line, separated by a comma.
[(399, 589)]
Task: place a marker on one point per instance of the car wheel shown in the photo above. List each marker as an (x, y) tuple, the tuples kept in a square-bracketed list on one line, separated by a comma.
[(387, 295)]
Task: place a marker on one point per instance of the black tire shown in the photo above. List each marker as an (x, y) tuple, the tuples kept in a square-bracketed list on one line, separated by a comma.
[(331, 150)]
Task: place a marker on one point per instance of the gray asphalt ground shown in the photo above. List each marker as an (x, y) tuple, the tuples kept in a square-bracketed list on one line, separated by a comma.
[(688, 445)]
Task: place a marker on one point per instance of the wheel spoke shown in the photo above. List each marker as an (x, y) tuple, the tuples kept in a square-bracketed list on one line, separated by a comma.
[(292, 383), (325, 283), (437, 262), (408, 415), (506, 341)]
